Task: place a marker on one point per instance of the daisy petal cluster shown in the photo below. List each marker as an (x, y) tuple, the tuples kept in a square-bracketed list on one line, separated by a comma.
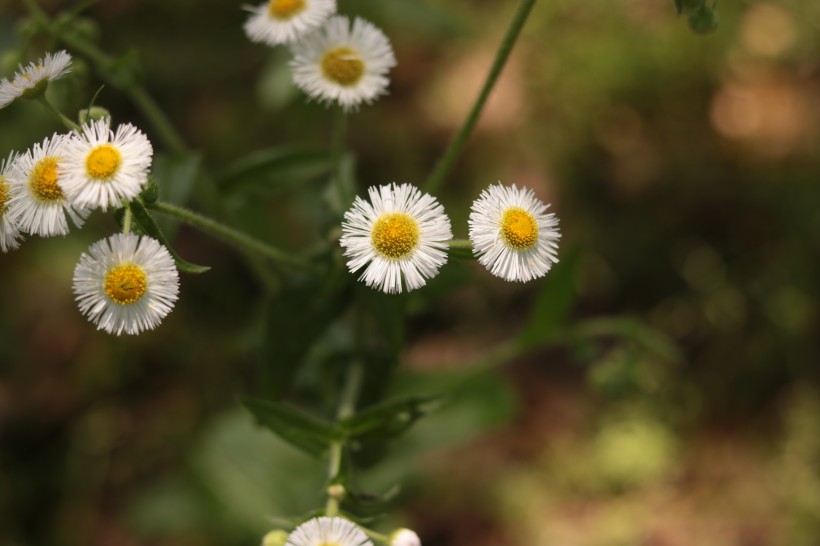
[(38, 201), (512, 234), (126, 283), (9, 232), (285, 21), (326, 531), (400, 235), (343, 63), (52, 67), (101, 168)]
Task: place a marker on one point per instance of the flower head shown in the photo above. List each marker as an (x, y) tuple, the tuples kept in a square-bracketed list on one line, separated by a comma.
[(9, 232), (325, 531), (404, 537), (400, 234), (126, 283), (38, 203), (343, 63), (101, 168), (512, 234), (33, 78), (285, 21)]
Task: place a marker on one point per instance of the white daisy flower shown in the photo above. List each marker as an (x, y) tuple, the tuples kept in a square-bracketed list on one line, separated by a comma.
[(126, 283), (341, 63), (400, 234), (325, 531), (404, 537), (512, 234), (52, 67), (285, 21), (103, 169), (38, 203), (9, 232)]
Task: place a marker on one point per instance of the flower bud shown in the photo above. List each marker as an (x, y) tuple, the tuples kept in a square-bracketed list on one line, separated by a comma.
[(404, 537), (277, 537), (95, 113)]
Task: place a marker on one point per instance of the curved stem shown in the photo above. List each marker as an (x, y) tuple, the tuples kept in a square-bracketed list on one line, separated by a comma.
[(347, 407), (237, 238), (445, 163), (70, 125), (126, 221)]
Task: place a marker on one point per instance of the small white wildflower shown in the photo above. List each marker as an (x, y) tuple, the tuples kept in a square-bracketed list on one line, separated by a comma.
[(400, 234), (126, 283), (52, 67), (512, 234), (344, 64), (326, 531), (102, 169), (38, 204), (9, 232), (285, 21)]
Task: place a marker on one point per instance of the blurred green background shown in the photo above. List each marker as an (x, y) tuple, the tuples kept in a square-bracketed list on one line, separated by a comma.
[(678, 402)]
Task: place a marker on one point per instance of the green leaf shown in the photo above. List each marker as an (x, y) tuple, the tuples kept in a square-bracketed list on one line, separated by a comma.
[(149, 227), (295, 427), (553, 301), (390, 418)]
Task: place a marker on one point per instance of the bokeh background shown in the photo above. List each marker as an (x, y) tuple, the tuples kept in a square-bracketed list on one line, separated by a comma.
[(677, 401)]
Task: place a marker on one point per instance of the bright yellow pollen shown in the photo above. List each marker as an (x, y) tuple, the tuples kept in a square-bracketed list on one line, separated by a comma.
[(395, 235), (43, 180), (519, 228), (103, 162), (285, 9), (343, 66), (125, 283), (4, 196)]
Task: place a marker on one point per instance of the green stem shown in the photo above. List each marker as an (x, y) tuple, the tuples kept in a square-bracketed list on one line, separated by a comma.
[(57, 114), (337, 153), (237, 238), (460, 243), (126, 220), (347, 407), (445, 163)]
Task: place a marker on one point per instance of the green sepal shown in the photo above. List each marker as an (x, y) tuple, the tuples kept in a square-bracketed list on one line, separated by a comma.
[(149, 227), (150, 193), (389, 419), (293, 426)]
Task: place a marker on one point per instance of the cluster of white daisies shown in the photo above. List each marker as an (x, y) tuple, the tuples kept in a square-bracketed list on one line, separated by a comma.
[(125, 283), (336, 531), (334, 59)]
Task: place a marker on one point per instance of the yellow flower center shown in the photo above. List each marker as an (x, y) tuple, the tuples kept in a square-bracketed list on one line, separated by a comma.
[(103, 162), (125, 283), (343, 66), (43, 180), (395, 235), (285, 9), (519, 228), (4, 196)]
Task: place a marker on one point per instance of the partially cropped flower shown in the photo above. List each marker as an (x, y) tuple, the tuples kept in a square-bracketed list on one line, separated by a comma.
[(326, 531), (344, 64), (401, 234), (404, 537), (38, 203), (34, 77), (102, 169), (9, 232), (285, 21), (126, 283), (512, 234)]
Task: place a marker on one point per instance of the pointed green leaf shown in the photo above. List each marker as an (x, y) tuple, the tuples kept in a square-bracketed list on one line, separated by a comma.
[(390, 418), (295, 427), (553, 301), (149, 227)]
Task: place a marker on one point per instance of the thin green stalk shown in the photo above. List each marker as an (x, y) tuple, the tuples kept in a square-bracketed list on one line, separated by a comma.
[(445, 163), (70, 125), (337, 153), (126, 220), (460, 243), (237, 238), (347, 407)]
